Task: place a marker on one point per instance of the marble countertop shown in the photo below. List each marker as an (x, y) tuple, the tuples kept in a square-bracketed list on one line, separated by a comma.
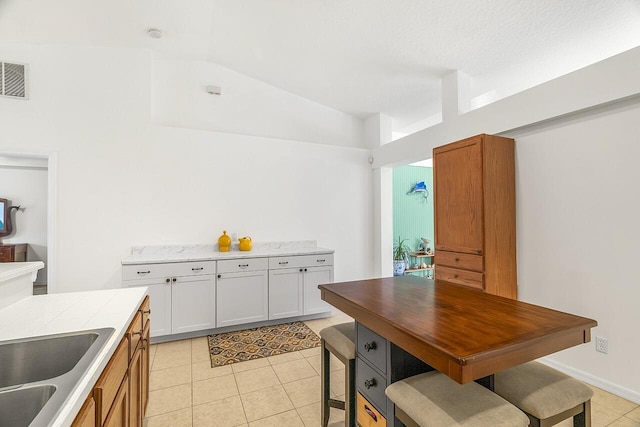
[(77, 311), (183, 253), (11, 270)]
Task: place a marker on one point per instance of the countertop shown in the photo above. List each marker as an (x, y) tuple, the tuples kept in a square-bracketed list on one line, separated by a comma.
[(58, 313), (184, 253)]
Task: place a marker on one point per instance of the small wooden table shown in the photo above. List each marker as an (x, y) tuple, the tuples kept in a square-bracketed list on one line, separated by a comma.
[(463, 332)]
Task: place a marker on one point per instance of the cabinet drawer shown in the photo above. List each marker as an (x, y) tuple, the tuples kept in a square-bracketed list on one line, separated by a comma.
[(300, 261), (372, 347), (134, 333), (109, 382), (370, 383), (5, 254), (460, 260), (146, 311), (367, 415), (461, 277), (242, 264), (156, 271)]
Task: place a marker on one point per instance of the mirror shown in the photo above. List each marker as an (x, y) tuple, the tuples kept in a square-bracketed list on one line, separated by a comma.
[(5, 217)]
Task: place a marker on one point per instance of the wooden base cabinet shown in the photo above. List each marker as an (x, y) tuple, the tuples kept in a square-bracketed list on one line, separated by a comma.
[(475, 220), (120, 396)]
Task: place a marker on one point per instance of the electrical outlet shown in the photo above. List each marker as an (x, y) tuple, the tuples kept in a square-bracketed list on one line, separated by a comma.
[(602, 345)]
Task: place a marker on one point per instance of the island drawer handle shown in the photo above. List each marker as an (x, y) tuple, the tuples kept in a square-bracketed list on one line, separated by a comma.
[(370, 383), (455, 276), (371, 413), (370, 346), (144, 272), (283, 262), (457, 259), (197, 269), (147, 311)]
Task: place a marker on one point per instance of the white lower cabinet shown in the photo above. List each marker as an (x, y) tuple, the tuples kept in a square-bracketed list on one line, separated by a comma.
[(285, 293), (181, 294), (314, 276), (242, 291)]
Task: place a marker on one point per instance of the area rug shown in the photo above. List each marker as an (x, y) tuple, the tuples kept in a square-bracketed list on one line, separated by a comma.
[(249, 344)]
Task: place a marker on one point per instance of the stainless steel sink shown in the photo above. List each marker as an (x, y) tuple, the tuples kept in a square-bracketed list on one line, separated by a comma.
[(20, 406), (38, 374)]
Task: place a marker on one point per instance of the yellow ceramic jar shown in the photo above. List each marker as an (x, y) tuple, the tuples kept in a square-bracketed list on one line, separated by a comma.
[(224, 242), (245, 243)]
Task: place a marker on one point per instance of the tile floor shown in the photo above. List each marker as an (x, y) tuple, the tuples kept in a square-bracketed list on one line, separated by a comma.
[(278, 391)]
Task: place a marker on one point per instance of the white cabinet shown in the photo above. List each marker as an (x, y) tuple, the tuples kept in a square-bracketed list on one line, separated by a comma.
[(181, 295), (242, 291), (286, 293), (293, 284)]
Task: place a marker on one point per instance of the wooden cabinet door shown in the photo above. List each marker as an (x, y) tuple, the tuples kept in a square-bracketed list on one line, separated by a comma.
[(87, 415), (145, 369), (119, 414), (135, 389), (458, 196)]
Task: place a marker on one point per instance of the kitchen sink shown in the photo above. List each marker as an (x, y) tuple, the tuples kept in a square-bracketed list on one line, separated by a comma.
[(20, 406), (38, 374)]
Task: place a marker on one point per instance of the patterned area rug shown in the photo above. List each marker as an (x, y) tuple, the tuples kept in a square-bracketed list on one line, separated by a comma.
[(232, 347)]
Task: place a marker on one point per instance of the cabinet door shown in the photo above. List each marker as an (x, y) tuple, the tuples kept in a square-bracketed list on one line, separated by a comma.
[(314, 276), (458, 200), (87, 415), (146, 365), (159, 303), (119, 414), (285, 293), (135, 389), (193, 303), (242, 298)]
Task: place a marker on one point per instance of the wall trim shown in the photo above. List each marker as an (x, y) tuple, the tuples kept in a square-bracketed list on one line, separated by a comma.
[(616, 389)]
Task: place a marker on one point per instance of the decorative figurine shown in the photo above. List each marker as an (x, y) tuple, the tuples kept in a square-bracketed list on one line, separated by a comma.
[(424, 246)]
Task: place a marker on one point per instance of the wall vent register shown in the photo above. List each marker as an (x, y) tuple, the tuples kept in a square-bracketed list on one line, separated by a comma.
[(13, 80)]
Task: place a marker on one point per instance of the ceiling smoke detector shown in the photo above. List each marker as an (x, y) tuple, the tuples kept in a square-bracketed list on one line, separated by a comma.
[(154, 34)]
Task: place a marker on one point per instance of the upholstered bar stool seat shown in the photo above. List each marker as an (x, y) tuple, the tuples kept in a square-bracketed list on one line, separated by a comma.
[(339, 340), (545, 394), (435, 400)]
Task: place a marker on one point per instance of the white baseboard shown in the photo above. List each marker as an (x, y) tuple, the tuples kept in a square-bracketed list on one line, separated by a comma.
[(616, 389)]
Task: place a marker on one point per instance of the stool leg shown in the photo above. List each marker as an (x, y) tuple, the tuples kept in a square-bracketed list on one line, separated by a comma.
[(325, 372), (350, 398), (583, 419)]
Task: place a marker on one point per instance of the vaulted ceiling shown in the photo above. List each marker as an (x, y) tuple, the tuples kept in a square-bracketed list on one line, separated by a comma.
[(357, 56)]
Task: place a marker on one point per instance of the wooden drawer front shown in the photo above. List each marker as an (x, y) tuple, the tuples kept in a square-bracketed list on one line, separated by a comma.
[(109, 382), (367, 415), (462, 277), (134, 333), (300, 261), (371, 384), (242, 264), (372, 347), (460, 260), (146, 311), (5, 254), (158, 271)]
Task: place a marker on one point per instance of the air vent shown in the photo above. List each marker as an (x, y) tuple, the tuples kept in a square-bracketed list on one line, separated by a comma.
[(13, 80)]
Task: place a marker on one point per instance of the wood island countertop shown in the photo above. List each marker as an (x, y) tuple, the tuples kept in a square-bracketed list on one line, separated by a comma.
[(462, 332)]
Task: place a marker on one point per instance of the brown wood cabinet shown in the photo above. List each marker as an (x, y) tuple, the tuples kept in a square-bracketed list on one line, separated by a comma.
[(13, 252), (120, 396), (475, 223)]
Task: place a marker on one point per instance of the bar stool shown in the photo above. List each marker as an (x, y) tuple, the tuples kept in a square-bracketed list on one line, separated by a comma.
[(546, 395), (435, 400), (339, 340)]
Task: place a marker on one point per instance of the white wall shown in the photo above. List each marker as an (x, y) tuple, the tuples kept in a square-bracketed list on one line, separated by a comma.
[(246, 106), (27, 187), (124, 181), (578, 229)]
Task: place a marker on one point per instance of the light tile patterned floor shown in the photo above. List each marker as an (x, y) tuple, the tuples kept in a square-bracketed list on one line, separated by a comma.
[(279, 391)]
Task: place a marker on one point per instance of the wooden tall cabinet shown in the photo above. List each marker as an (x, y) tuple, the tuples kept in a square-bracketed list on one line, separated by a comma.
[(475, 222)]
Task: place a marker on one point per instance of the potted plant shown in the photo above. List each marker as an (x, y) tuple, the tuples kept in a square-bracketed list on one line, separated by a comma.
[(400, 255)]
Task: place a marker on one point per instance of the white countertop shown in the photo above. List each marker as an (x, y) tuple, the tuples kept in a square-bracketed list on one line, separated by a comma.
[(183, 253), (11, 270), (58, 313)]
